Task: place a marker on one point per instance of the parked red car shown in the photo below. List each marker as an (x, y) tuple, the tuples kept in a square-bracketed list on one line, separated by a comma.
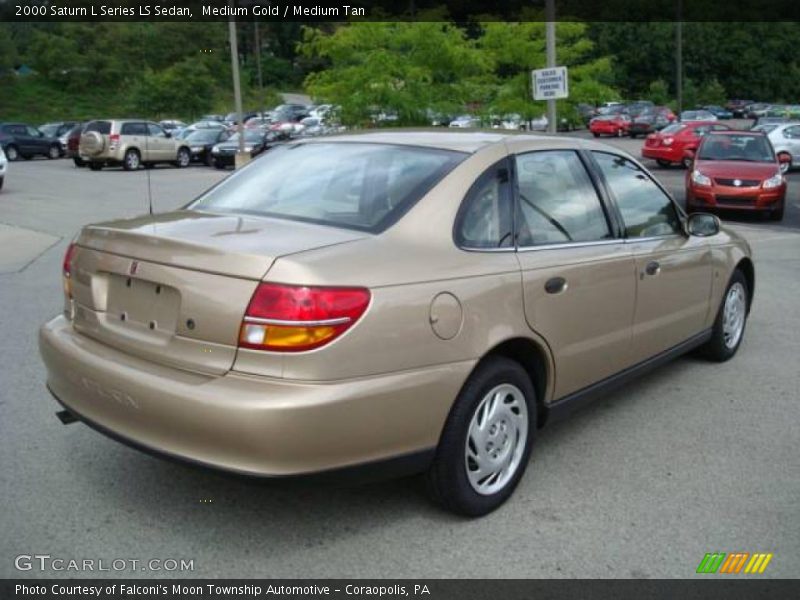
[(736, 170), (73, 141), (669, 146), (612, 124)]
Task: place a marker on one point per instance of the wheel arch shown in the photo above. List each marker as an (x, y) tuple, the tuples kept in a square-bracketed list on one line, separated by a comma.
[(535, 359), (745, 265)]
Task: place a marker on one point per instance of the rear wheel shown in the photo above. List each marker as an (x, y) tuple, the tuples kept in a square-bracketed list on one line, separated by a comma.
[(95, 166), (131, 160), (596, 134), (728, 330), (12, 153), (54, 152), (79, 162), (486, 441)]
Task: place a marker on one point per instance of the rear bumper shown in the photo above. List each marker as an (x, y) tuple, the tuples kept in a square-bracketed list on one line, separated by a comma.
[(247, 424), (660, 153)]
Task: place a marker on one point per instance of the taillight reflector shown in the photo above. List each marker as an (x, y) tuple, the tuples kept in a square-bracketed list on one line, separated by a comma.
[(66, 269), (291, 318)]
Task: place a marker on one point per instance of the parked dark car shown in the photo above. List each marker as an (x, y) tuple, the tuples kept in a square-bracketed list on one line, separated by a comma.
[(201, 141), (22, 140), (292, 113), (639, 107), (651, 120), (738, 107), (59, 130), (73, 137), (255, 142), (718, 111)]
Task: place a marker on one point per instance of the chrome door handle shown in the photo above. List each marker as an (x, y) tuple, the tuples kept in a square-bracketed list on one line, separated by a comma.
[(652, 268)]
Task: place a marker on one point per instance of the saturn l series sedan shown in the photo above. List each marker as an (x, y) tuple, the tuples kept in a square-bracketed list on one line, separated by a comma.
[(417, 300)]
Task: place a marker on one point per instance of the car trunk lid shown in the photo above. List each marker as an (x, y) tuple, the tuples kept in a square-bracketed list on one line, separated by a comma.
[(173, 288)]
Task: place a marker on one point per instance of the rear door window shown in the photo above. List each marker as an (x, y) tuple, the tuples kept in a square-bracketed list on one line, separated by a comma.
[(102, 127), (557, 201), (154, 130), (133, 129)]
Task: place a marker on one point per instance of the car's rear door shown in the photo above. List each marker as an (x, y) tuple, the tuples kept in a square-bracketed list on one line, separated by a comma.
[(792, 136), (577, 274), (673, 270)]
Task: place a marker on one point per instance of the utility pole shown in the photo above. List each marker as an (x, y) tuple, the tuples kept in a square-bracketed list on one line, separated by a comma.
[(550, 46), (237, 90), (679, 57), (257, 42)]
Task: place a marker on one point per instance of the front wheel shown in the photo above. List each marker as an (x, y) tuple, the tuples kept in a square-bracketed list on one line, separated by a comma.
[(184, 158), (597, 135), (787, 165), (12, 153), (728, 330), (777, 212), (486, 441), (54, 152)]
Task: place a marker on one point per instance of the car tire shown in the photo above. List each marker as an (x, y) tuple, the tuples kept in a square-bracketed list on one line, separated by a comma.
[(12, 153), (728, 330), (663, 163), (633, 135), (498, 405), (597, 135), (777, 212), (686, 163), (79, 162), (785, 166), (132, 160), (184, 158), (54, 152), (1, 182), (95, 166)]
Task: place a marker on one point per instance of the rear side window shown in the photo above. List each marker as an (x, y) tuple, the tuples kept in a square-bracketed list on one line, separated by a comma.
[(363, 186), (133, 129), (557, 201), (792, 132), (102, 127), (485, 219), (646, 210)]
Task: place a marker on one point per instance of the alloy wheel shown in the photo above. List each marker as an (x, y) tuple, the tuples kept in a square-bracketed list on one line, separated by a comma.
[(733, 315), (498, 433)]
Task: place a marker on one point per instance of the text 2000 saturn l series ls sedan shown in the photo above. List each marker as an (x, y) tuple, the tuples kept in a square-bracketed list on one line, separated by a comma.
[(411, 299)]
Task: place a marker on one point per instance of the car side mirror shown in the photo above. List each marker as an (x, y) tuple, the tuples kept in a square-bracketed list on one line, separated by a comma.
[(784, 158), (702, 225)]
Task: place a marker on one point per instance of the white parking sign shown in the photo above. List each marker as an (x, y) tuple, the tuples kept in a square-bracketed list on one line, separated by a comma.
[(550, 84)]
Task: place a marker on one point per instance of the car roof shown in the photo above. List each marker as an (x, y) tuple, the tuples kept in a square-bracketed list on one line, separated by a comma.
[(735, 132), (461, 141)]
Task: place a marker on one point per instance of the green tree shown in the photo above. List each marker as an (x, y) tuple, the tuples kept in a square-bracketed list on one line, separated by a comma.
[(658, 92), (396, 66)]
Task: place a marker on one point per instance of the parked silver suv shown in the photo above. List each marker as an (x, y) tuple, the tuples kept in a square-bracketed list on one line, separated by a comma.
[(131, 143)]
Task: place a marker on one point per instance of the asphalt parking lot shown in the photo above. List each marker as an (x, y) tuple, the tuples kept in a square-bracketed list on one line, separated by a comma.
[(694, 458)]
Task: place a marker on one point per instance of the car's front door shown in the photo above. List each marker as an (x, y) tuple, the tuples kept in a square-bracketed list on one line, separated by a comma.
[(577, 274), (38, 142), (673, 270), (792, 136)]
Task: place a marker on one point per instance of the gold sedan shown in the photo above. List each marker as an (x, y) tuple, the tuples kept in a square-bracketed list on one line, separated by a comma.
[(403, 301)]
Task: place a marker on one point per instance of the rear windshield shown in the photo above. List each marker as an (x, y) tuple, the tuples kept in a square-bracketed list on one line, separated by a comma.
[(361, 186), (103, 127), (674, 128), (747, 148)]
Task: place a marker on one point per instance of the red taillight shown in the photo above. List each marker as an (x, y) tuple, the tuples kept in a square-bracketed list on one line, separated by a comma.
[(291, 318), (113, 140), (66, 269)]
